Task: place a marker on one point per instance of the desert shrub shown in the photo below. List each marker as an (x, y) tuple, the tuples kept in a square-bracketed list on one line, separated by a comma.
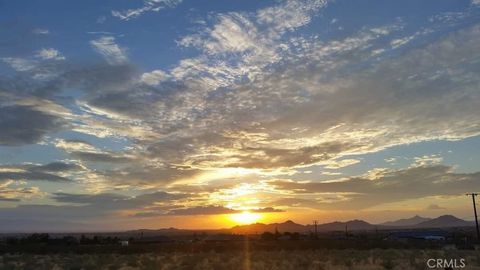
[(316, 265), (148, 263), (257, 260), (476, 258), (388, 264)]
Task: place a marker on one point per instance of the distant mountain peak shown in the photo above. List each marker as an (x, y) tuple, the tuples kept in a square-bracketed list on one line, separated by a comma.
[(447, 217), (357, 221), (404, 222), (445, 221), (289, 222), (416, 221)]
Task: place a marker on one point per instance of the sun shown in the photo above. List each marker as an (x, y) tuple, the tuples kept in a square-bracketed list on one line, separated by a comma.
[(245, 217)]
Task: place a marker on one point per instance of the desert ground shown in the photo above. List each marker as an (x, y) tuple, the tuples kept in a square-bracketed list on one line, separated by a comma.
[(278, 260)]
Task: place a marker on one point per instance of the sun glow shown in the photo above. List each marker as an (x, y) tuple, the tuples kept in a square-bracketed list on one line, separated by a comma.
[(245, 217)]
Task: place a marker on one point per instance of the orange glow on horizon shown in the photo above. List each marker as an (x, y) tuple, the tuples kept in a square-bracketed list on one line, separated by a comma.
[(245, 218)]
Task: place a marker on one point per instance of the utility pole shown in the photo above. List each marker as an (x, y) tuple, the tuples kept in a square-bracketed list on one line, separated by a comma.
[(475, 211), (315, 224)]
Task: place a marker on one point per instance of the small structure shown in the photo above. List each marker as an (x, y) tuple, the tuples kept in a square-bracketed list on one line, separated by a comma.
[(124, 243), (156, 239), (449, 247), (221, 238), (284, 238), (419, 235)]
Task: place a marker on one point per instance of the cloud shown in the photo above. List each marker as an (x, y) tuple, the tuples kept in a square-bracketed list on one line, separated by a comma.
[(233, 33), (75, 145), (214, 210), (49, 54), (281, 157), (57, 167), (395, 186), (237, 32), (15, 191), (113, 201), (80, 208), (337, 164), (108, 48), (19, 64), (154, 77), (391, 160), (201, 210), (22, 125), (47, 172), (253, 40), (98, 211), (31, 176), (149, 5), (435, 207), (144, 174), (267, 210), (259, 97), (289, 14), (427, 160), (285, 118), (96, 199), (374, 107), (41, 31), (100, 157), (188, 107), (294, 202), (401, 41)]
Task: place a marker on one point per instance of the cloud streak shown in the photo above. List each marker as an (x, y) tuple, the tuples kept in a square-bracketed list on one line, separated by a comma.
[(108, 48), (394, 186), (25, 125), (148, 6)]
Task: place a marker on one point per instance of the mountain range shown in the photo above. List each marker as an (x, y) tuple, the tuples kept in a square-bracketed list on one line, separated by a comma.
[(444, 221), (416, 222), (406, 221)]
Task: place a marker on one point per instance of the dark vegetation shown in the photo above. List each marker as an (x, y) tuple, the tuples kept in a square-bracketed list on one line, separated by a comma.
[(201, 242)]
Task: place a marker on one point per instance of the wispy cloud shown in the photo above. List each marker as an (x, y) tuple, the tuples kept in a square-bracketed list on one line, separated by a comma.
[(19, 64), (395, 186), (47, 172), (108, 48), (289, 15), (154, 77), (26, 125), (41, 31), (49, 54), (148, 6), (15, 191)]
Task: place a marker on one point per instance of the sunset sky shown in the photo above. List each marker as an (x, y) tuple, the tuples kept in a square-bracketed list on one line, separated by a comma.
[(126, 114)]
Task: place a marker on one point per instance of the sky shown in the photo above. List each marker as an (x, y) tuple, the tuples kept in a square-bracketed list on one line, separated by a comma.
[(127, 114)]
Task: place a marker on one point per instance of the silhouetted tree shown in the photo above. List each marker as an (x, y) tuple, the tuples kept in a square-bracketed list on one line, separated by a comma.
[(268, 236)]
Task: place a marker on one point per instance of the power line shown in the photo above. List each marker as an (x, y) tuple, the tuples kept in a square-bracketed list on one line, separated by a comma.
[(475, 212)]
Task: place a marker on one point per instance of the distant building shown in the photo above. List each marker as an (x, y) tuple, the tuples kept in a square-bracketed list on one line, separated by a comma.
[(222, 238), (434, 237), (124, 243), (284, 238), (157, 239), (449, 247), (419, 235)]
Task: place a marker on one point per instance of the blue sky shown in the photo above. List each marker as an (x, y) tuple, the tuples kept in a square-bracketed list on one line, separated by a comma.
[(173, 112)]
